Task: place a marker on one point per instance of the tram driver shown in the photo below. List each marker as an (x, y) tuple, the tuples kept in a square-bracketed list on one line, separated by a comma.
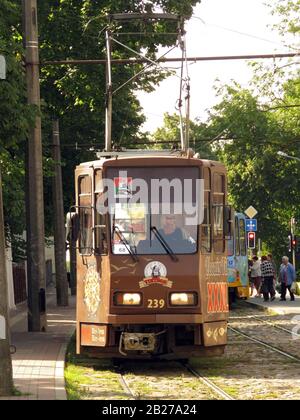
[(176, 237)]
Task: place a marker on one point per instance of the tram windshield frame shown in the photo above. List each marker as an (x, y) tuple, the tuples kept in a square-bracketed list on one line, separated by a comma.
[(157, 224)]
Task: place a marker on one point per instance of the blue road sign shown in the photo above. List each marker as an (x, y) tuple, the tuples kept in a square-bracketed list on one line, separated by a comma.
[(251, 225)]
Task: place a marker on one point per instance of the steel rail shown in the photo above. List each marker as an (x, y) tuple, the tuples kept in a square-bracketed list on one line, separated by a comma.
[(208, 383), (126, 387), (267, 322), (263, 343)]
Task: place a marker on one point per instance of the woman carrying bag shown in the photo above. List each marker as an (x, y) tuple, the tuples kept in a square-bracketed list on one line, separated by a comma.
[(287, 276)]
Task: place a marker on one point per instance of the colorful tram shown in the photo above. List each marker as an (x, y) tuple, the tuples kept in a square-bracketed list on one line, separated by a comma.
[(141, 294), (238, 281)]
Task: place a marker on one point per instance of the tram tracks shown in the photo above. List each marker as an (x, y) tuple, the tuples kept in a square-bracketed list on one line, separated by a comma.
[(272, 324), (219, 391), (263, 343), (126, 387), (215, 391)]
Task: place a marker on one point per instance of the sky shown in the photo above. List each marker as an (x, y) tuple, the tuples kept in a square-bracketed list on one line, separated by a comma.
[(218, 28)]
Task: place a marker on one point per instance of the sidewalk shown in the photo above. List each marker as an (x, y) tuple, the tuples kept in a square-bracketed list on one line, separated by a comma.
[(276, 307), (38, 365)]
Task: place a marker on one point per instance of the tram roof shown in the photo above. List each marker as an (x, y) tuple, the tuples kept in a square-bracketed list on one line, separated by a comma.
[(105, 157)]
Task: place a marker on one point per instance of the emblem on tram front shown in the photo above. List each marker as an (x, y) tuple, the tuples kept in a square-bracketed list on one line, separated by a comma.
[(92, 291), (155, 273)]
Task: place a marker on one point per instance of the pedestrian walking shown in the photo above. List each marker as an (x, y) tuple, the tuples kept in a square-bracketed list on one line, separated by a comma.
[(250, 263), (270, 258), (287, 275), (255, 275), (267, 274)]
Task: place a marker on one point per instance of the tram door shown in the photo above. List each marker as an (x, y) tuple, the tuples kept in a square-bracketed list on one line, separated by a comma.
[(238, 282)]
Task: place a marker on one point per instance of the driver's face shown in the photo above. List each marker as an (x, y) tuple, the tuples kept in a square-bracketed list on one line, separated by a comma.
[(169, 223)]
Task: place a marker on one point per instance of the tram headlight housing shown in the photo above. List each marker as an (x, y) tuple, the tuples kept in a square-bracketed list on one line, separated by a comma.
[(127, 299), (183, 299)]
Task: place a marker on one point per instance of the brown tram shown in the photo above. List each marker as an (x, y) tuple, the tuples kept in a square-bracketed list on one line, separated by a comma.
[(142, 289)]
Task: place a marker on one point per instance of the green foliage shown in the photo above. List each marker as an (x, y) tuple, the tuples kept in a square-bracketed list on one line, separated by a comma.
[(289, 11), (252, 135), (72, 29), (16, 118), (170, 134)]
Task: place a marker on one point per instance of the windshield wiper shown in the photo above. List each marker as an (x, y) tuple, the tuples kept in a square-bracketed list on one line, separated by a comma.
[(125, 242), (165, 245)]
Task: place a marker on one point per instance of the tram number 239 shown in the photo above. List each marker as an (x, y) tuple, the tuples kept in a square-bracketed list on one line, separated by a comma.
[(156, 303)]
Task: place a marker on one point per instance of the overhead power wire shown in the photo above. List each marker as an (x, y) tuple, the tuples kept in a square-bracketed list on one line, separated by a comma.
[(245, 34), (142, 71)]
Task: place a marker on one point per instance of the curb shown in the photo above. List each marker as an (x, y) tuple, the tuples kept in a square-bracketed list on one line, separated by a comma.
[(60, 383), (270, 311)]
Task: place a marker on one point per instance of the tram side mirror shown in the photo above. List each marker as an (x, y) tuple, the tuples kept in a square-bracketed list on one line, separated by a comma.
[(228, 222), (72, 226)]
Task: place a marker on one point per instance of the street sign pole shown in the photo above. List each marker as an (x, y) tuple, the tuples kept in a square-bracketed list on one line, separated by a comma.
[(251, 212)]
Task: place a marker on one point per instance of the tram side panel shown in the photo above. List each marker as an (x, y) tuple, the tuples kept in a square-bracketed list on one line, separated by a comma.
[(214, 261)]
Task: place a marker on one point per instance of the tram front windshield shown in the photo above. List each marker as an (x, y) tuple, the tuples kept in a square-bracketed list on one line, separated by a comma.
[(163, 218)]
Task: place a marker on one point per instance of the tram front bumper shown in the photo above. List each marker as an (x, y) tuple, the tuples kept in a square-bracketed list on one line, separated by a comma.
[(155, 319)]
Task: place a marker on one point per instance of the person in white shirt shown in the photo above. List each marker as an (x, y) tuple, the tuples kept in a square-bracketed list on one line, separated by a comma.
[(256, 275)]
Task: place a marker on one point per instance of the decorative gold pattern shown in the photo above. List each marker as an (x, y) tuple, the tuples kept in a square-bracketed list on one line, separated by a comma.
[(215, 332), (92, 291), (163, 281)]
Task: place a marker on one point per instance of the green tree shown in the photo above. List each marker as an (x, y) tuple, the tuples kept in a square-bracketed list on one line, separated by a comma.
[(15, 119), (169, 136), (73, 29)]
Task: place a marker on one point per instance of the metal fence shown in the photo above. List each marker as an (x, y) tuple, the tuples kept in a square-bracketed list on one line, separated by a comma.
[(19, 276)]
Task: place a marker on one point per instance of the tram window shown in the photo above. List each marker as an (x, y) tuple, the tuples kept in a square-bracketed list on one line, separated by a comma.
[(132, 230), (237, 237), (85, 215), (206, 238), (161, 212), (218, 212), (129, 226), (242, 237), (230, 247), (207, 179), (100, 228), (206, 225)]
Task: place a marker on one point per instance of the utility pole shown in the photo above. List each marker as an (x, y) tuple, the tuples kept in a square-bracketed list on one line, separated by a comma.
[(6, 377), (36, 272), (59, 224), (109, 95)]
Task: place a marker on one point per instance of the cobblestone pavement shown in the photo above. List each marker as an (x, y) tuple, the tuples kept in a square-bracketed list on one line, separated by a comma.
[(38, 364), (251, 371)]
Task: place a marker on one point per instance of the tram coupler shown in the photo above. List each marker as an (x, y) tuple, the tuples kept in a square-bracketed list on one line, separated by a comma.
[(137, 342)]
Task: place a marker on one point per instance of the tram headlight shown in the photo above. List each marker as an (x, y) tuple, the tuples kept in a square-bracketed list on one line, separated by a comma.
[(129, 299), (183, 299)]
